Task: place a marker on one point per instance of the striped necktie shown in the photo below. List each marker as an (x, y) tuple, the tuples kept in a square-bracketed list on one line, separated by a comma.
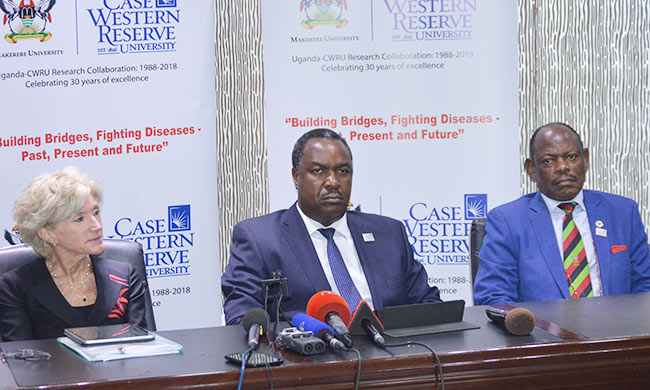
[(575, 258), (342, 278)]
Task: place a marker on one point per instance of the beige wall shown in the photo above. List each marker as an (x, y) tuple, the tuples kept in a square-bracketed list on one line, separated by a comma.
[(581, 62)]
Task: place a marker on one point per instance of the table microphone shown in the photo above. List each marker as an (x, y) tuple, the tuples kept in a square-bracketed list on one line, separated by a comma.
[(332, 309), (374, 334), (365, 321), (518, 321), (255, 322), (320, 329)]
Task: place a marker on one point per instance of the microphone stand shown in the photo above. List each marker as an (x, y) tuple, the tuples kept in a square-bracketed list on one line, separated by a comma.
[(273, 291)]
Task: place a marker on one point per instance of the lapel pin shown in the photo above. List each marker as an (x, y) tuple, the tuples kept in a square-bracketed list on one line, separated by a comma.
[(599, 223), (368, 237), (601, 232)]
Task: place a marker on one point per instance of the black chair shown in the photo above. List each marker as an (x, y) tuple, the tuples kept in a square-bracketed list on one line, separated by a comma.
[(476, 235), (120, 250)]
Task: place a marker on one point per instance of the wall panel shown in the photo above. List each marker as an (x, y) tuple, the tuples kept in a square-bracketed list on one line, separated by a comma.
[(586, 63), (581, 62), (241, 144)]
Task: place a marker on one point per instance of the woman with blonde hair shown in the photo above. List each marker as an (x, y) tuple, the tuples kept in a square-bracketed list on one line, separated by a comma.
[(68, 285)]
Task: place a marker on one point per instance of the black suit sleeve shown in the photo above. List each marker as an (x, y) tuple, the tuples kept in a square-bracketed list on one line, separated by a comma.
[(136, 307), (15, 323)]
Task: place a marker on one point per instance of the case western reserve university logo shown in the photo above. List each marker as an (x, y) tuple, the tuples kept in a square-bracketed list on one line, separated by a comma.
[(431, 20), (323, 13), (439, 235), (135, 26), (475, 206), (166, 241), (26, 20)]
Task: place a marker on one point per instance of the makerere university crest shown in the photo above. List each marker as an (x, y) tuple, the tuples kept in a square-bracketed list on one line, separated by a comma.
[(27, 20)]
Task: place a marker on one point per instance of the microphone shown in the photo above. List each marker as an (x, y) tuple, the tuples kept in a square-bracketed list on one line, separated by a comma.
[(320, 329), (373, 332), (518, 321), (255, 322), (332, 309), (365, 321)]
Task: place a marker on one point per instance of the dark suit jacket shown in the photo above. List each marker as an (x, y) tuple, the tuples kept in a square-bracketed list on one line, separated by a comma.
[(31, 306), (521, 261), (280, 241)]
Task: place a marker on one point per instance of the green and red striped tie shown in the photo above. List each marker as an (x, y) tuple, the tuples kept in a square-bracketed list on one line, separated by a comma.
[(575, 258)]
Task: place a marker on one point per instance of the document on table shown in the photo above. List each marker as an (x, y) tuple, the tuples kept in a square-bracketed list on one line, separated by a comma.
[(103, 353)]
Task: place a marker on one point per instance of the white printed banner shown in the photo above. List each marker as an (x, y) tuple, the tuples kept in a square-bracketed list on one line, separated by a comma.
[(424, 91), (123, 89)]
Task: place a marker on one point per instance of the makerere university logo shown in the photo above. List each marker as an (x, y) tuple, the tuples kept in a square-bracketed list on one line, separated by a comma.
[(323, 13), (26, 20)]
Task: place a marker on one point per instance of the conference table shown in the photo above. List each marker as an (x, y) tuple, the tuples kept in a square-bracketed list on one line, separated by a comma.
[(584, 343)]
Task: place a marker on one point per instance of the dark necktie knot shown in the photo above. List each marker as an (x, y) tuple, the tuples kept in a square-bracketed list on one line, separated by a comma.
[(327, 232), (568, 207)]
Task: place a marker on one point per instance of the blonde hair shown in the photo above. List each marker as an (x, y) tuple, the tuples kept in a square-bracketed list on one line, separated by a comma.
[(49, 199)]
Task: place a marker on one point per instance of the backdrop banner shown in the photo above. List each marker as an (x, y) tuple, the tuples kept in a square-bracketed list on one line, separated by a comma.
[(124, 90), (425, 93)]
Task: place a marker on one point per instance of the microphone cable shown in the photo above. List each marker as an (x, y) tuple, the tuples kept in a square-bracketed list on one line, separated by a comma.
[(277, 321), (244, 360), (245, 357), (356, 382), (277, 316), (266, 309), (272, 340), (269, 374), (435, 355)]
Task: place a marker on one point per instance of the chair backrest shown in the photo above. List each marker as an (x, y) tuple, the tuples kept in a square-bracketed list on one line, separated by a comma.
[(476, 235), (120, 250)]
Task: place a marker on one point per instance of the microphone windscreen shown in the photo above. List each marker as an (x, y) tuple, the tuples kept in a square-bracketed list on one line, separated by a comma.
[(305, 323), (520, 321), (325, 302), (256, 316)]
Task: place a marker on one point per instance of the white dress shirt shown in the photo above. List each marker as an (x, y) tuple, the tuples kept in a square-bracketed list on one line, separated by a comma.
[(581, 219), (345, 243)]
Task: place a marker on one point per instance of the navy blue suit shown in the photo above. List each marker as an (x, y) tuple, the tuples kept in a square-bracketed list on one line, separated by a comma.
[(31, 306), (280, 241), (521, 260)]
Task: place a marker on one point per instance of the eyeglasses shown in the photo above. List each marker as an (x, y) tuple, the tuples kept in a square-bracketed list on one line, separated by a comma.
[(27, 354)]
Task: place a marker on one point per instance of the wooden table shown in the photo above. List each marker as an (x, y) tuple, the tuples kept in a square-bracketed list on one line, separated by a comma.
[(594, 342)]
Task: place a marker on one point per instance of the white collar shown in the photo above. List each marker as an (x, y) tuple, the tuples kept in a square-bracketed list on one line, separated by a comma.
[(552, 204), (340, 225)]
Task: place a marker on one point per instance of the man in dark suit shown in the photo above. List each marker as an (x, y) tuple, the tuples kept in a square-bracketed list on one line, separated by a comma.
[(364, 256), (562, 241)]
